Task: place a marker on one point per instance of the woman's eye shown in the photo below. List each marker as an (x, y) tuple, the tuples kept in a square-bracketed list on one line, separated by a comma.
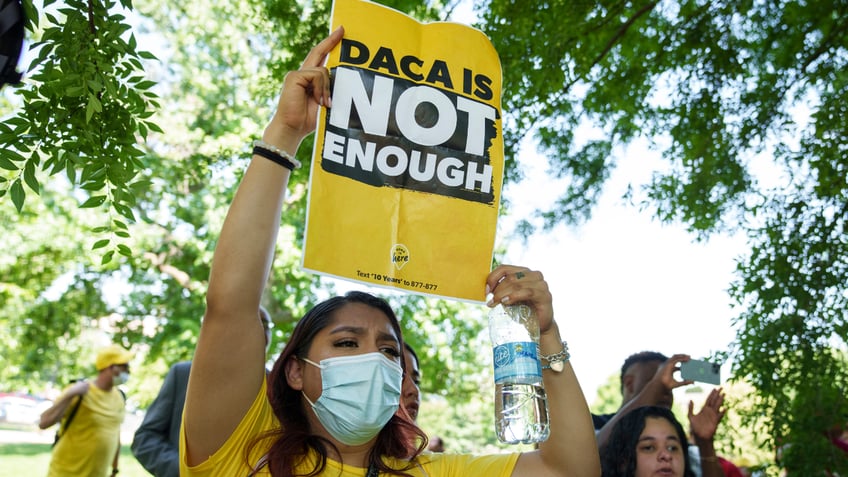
[(647, 448), (391, 352), (414, 380), (346, 344), (672, 448)]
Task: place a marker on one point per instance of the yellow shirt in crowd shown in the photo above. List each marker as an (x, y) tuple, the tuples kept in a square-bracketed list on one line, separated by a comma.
[(88, 447)]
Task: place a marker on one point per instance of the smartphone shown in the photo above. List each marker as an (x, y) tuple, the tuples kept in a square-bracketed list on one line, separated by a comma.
[(702, 371)]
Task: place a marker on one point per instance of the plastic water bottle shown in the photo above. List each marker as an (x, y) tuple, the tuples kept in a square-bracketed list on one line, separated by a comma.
[(521, 407)]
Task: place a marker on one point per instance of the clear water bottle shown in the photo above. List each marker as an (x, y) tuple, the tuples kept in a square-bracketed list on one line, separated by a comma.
[(521, 407)]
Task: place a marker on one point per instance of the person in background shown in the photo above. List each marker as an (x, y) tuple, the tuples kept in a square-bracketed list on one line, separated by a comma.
[(647, 441), (647, 379), (730, 469), (156, 443), (330, 405), (91, 413), (411, 393), (411, 389)]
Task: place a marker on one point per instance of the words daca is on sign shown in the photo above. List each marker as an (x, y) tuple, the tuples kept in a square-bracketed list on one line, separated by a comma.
[(357, 54)]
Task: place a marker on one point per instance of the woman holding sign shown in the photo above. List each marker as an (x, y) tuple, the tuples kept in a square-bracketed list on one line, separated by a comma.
[(330, 405)]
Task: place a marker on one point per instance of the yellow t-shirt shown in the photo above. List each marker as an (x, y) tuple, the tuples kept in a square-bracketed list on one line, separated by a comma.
[(229, 459), (88, 447)]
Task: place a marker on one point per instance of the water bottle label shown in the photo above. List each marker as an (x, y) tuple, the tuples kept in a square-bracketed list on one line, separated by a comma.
[(517, 362)]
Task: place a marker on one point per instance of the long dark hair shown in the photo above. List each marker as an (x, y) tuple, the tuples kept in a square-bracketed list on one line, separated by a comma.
[(400, 438), (618, 456)]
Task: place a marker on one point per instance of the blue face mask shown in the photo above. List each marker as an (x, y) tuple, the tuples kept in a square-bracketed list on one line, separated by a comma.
[(360, 395)]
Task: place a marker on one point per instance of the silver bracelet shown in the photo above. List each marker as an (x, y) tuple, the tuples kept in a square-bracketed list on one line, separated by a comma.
[(556, 361), (276, 150)]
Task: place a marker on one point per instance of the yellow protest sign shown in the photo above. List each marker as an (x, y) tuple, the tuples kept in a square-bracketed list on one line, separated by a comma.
[(408, 162)]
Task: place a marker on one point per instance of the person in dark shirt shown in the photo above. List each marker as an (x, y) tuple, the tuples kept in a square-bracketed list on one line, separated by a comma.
[(156, 443)]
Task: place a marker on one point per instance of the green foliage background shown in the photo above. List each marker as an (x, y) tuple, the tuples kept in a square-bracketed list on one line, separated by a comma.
[(116, 168)]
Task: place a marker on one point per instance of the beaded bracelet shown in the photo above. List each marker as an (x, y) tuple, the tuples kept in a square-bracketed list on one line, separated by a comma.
[(275, 154)]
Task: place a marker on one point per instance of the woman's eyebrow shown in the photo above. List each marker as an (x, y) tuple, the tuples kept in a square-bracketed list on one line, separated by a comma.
[(385, 336), (361, 330), (357, 330), (670, 437)]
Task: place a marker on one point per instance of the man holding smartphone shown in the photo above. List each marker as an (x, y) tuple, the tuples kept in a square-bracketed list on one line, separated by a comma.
[(647, 379)]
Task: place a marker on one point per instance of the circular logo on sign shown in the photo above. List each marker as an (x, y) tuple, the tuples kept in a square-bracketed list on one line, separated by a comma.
[(400, 255)]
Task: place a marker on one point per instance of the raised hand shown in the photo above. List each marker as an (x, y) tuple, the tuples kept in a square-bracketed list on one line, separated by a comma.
[(705, 422)]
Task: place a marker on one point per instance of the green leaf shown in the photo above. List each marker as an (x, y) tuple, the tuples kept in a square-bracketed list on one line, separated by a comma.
[(93, 171), (93, 107), (7, 164), (154, 127), (89, 111), (31, 14), (20, 123), (58, 160), (107, 257), (124, 211), (18, 195), (124, 250), (29, 177), (141, 186), (110, 88), (93, 185), (100, 244), (70, 171), (12, 155), (93, 201)]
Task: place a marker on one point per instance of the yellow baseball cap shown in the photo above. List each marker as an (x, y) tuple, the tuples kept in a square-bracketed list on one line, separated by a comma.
[(110, 355)]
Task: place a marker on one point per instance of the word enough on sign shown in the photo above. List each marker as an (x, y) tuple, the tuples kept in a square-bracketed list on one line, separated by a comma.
[(386, 131)]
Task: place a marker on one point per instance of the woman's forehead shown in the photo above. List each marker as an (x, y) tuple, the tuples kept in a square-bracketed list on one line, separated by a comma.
[(659, 426), (360, 318)]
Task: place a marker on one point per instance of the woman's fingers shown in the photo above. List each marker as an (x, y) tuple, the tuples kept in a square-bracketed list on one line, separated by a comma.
[(319, 52), (514, 284), (312, 76), (315, 81)]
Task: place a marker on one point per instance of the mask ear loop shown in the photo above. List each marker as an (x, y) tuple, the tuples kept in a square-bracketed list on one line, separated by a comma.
[(307, 360), (313, 363), (312, 404)]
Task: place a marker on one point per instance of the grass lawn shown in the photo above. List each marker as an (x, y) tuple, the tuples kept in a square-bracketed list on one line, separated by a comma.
[(33, 459)]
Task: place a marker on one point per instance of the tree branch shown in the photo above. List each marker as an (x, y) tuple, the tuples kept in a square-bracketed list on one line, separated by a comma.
[(612, 41), (91, 27), (621, 31)]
